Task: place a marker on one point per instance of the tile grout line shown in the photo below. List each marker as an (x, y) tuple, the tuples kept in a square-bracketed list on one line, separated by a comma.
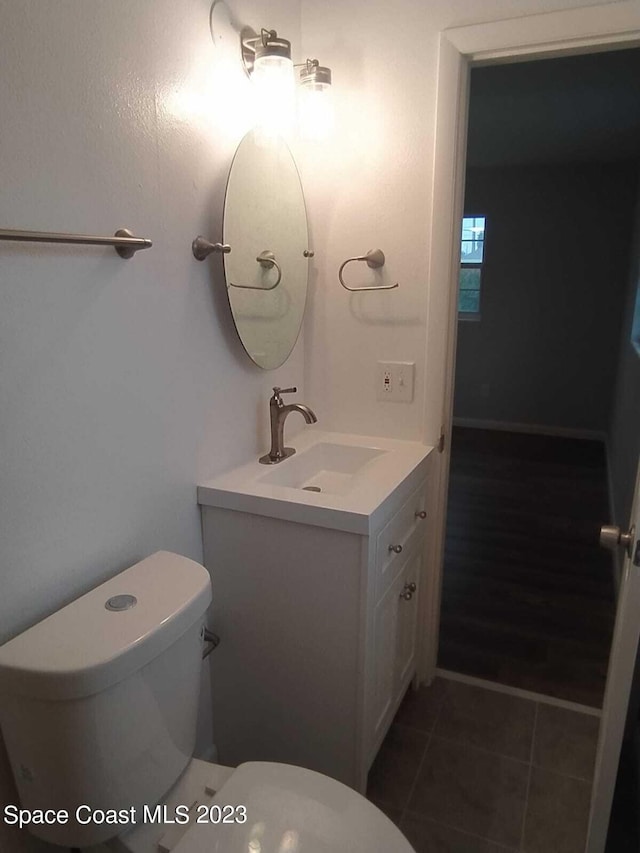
[(564, 775), (466, 832), (467, 745), (415, 779), (422, 760), (526, 798)]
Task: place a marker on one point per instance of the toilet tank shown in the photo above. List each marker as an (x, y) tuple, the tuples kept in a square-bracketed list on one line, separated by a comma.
[(98, 702)]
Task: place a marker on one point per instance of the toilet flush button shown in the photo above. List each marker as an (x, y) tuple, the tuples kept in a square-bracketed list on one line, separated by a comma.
[(121, 602)]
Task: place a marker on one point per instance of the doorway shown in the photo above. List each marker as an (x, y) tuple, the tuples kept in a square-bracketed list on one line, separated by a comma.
[(586, 30), (551, 189)]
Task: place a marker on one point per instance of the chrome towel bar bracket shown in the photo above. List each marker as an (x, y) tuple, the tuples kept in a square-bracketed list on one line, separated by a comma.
[(374, 259), (123, 241), (202, 248)]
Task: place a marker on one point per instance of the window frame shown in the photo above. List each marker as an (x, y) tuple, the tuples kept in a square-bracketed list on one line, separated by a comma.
[(474, 316)]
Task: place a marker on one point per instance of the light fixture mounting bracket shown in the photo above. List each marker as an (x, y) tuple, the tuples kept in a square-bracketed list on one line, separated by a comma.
[(248, 40)]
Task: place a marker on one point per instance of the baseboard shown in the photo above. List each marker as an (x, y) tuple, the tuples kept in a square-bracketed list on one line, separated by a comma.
[(533, 429), (517, 691)]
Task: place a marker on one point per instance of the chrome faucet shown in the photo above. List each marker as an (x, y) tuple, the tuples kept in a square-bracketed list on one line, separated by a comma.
[(278, 413)]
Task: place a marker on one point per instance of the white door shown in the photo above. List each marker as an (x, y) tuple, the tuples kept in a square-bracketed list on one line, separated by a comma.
[(622, 659)]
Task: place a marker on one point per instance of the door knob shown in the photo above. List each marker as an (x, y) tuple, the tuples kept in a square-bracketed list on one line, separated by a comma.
[(612, 537)]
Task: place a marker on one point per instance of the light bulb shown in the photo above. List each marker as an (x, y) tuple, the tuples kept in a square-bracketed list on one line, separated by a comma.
[(274, 85), (316, 102)]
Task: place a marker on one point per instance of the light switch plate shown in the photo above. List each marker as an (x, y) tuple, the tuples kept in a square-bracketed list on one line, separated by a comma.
[(395, 381)]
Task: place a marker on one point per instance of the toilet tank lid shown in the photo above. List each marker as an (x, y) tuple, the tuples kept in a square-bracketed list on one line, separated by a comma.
[(87, 646)]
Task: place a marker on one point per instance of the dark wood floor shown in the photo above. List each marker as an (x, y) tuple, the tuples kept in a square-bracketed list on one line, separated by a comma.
[(527, 594)]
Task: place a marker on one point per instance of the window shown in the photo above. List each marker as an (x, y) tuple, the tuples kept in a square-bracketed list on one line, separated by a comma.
[(471, 258)]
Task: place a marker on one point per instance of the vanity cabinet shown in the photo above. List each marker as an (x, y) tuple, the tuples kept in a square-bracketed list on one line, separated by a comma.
[(318, 628)]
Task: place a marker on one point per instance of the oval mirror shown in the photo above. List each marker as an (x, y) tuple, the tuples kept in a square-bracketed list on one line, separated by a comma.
[(265, 223)]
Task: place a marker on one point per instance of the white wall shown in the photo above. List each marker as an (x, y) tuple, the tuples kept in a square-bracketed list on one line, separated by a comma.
[(544, 353), (122, 383), (371, 187)]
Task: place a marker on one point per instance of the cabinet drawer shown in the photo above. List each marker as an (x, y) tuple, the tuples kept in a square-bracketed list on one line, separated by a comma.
[(394, 540)]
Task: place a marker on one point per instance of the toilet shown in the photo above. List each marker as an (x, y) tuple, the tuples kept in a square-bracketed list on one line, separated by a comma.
[(98, 707)]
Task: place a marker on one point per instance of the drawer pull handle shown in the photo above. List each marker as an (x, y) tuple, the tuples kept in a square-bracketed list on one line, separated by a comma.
[(397, 549), (410, 586), (407, 595), (421, 513)]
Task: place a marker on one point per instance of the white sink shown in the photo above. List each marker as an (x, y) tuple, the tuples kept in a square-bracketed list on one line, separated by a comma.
[(356, 476), (324, 467)]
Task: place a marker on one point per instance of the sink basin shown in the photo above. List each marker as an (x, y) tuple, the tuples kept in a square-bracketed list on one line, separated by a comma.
[(324, 467), (336, 480)]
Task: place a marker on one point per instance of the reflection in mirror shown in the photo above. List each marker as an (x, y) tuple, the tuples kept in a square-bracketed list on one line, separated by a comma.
[(265, 223)]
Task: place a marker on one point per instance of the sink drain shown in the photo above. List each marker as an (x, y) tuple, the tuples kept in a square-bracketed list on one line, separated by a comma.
[(311, 489)]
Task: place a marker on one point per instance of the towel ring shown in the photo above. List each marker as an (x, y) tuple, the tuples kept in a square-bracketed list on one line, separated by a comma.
[(374, 259), (267, 260)]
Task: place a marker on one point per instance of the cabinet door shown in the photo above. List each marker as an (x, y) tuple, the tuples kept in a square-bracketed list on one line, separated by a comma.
[(385, 669), (395, 625), (406, 623)]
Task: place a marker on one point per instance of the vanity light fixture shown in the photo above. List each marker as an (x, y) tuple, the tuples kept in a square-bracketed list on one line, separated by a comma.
[(316, 101), (266, 58)]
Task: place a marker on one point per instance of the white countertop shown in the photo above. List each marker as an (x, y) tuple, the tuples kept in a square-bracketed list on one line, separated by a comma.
[(400, 468)]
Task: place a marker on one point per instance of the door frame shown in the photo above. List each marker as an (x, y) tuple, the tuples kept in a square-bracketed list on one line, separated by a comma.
[(552, 34)]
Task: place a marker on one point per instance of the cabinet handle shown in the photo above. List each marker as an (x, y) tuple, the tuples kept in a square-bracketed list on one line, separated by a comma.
[(410, 586), (420, 513), (397, 549), (407, 595)]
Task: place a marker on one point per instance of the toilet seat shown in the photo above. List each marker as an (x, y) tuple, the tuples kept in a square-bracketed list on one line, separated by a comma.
[(291, 809)]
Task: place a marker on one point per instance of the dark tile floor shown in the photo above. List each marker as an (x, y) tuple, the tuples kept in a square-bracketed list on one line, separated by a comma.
[(466, 769)]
